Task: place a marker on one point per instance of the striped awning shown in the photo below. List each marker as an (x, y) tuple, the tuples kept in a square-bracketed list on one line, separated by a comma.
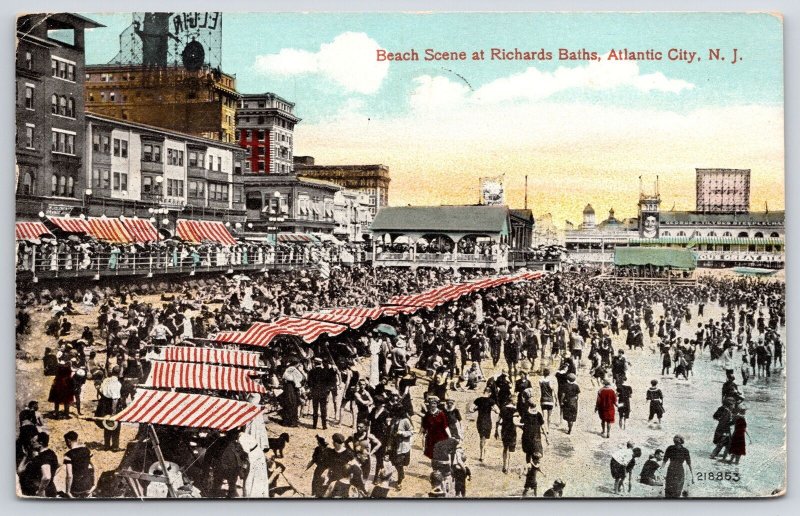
[(262, 334), (186, 375), (440, 295), (296, 237), (198, 231), (70, 225), (712, 240), (109, 230), (232, 357), (352, 317), (141, 231), (30, 230), (188, 410)]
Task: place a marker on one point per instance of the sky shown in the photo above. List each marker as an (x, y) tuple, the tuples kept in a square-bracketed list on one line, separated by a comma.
[(582, 131)]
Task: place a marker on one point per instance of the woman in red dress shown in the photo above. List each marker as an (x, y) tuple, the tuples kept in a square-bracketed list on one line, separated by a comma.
[(738, 445), (62, 392), (434, 425), (606, 407)]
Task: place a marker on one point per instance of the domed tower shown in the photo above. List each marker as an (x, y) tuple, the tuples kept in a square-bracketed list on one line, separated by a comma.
[(588, 217)]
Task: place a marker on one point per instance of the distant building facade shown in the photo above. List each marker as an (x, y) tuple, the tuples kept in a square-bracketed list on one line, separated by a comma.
[(265, 129), (593, 242), (132, 167), (50, 111), (196, 102), (372, 180)]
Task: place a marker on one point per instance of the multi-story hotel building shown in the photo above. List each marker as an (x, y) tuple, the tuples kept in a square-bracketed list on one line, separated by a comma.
[(131, 167), (50, 112)]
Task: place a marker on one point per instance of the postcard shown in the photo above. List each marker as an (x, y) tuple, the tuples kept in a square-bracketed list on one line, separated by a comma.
[(400, 255)]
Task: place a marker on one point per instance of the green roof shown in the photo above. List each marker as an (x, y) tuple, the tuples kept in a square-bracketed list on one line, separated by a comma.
[(659, 257), (454, 219)]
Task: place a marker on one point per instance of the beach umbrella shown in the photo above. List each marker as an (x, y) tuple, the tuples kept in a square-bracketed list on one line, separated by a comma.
[(387, 329)]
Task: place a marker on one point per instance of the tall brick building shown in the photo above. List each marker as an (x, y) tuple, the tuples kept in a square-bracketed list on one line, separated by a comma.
[(50, 111), (199, 103), (265, 127)]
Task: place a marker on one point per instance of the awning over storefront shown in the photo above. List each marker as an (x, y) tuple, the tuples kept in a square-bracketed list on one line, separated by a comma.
[(30, 230), (198, 231), (232, 357), (185, 375), (655, 256), (109, 230), (141, 231), (302, 238), (189, 410), (71, 225), (689, 241)]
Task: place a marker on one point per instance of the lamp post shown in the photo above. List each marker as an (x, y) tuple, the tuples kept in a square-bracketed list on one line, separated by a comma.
[(86, 194)]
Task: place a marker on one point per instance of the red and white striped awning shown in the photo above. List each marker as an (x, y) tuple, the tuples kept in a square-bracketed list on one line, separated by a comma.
[(109, 230), (30, 230), (189, 410), (233, 357), (262, 334), (296, 237), (352, 317), (141, 231), (185, 375), (71, 225), (198, 231)]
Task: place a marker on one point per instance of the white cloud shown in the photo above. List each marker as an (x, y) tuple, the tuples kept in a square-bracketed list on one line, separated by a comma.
[(534, 84), (348, 60)]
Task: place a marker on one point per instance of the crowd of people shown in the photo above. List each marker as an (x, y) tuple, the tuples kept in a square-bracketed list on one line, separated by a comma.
[(548, 333)]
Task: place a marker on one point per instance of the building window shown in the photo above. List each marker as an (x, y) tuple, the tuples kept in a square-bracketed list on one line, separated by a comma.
[(70, 187), (147, 185), (120, 148), (63, 142), (151, 153), (71, 107), (175, 187), (29, 130), (219, 163), (26, 187), (54, 104), (71, 72), (120, 181), (174, 157), (54, 185), (237, 194), (29, 96), (262, 151), (62, 185), (106, 144), (237, 167), (62, 106), (261, 134), (217, 192), (28, 61), (192, 159), (261, 166)]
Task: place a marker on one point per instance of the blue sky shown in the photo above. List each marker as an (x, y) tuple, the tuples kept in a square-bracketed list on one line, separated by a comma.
[(442, 125), (758, 78)]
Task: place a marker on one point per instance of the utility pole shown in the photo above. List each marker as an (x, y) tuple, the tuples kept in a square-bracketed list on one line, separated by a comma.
[(526, 191)]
